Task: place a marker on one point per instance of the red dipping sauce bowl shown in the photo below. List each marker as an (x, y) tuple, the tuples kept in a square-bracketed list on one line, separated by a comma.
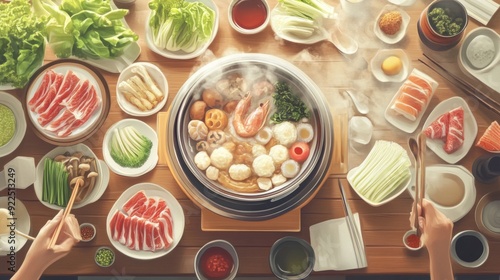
[(412, 241), (216, 260), (249, 16)]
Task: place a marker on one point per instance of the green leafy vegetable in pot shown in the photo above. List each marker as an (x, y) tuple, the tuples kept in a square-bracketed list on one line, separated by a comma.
[(22, 43), (443, 23), (129, 148), (180, 25), (289, 107), (85, 28)]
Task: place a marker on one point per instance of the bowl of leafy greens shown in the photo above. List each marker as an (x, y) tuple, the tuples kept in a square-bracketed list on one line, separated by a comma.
[(22, 43), (130, 148), (181, 29)]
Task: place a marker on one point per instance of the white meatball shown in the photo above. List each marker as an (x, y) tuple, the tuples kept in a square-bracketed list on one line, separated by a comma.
[(239, 172), (279, 153), (285, 133), (221, 158), (263, 166), (212, 173), (258, 150), (202, 160)]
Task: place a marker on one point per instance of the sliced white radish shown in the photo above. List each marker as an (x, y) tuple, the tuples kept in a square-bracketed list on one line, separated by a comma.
[(264, 183)]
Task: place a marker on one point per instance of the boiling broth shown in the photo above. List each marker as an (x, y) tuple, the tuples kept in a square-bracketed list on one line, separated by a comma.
[(445, 189)]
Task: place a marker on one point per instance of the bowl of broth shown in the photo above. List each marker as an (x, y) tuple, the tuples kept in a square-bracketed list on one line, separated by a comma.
[(291, 258), (469, 248)]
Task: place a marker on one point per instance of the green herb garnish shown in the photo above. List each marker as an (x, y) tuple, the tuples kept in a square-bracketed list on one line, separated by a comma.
[(289, 107), (443, 23)]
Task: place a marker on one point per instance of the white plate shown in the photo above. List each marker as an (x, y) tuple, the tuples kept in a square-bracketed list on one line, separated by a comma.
[(392, 39), (378, 59), (457, 212), (117, 64), (182, 54), (470, 129), (488, 75), (402, 122), (175, 209), (7, 87), (157, 76), (143, 129), (100, 185), (400, 189), (23, 224), (83, 74), (17, 108)]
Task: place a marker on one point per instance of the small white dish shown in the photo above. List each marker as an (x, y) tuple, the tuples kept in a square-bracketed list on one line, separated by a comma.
[(392, 39), (402, 122), (100, 186), (378, 59), (489, 74), (182, 54), (7, 87), (151, 190), (17, 109), (23, 224), (470, 129), (459, 210), (398, 191), (161, 82), (405, 240), (93, 230), (143, 129), (258, 4)]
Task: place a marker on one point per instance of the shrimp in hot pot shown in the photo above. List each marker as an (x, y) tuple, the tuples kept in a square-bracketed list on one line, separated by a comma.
[(248, 125)]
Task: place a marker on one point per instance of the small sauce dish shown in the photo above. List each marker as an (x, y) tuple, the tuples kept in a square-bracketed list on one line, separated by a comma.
[(87, 231), (217, 259), (412, 241), (104, 256), (291, 258), (249, 16), (378, 60)]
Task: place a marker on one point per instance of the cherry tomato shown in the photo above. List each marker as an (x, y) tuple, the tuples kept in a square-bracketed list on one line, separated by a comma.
[(299, 151), (216, 263)]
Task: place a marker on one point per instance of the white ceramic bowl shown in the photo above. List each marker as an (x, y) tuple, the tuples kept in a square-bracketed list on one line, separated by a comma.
[(83, 225), (17, 109), (224, 245), (100, 185), (160, 81), (378, 59), (143, 129), (481, 259), (406, 235), (392, 39), (182, 54), (243, 30)]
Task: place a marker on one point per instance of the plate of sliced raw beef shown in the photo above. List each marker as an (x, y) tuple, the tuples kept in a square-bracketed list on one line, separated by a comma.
[(146, 222), (66, 101), (451, 129)]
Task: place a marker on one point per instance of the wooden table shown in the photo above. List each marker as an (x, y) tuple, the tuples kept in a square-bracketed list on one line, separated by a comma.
[(383, 227)]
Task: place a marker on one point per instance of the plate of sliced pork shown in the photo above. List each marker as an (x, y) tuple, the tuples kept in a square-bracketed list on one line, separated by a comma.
[(451, 129), (66, 101), (146, 222)]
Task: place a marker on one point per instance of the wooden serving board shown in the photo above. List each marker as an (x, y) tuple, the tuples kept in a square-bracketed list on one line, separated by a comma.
[(210, 221)]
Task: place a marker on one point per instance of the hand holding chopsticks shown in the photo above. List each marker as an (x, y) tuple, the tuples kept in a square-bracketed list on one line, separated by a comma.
[(67, 210)]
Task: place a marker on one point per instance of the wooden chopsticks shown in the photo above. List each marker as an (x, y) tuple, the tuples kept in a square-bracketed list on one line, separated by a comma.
[(66, 212), (484, 99)]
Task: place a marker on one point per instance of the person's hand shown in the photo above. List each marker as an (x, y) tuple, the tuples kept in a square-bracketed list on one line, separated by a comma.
[(435, 226), (39, 256)]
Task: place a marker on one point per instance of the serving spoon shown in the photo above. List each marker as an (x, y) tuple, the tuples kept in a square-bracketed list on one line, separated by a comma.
[(361, 107)]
